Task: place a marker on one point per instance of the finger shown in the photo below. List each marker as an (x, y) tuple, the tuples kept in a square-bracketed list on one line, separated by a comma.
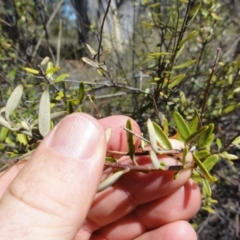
[(118, 137), (180, 205), (131, 190), (179, 230), (51, 195), (8, 175)]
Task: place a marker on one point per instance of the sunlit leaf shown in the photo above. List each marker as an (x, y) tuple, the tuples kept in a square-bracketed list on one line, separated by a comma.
[(108, 134), (193, 125), (228, 156), (181, 125), (91, 50), (185, 64), (90, 62), (30, 70), (22, 138), (3, 133), (13, 101), (44, 117), (189, 37), (203, 170), (176, 80), (203, 154), (111, 180), (210, 162), (52, 70), (61, 77), (207, 191), (44, 61), (161, 137)]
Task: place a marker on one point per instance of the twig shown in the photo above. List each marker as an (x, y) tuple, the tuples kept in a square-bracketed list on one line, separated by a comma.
[(149, 168), (205, 98), (101, 30)]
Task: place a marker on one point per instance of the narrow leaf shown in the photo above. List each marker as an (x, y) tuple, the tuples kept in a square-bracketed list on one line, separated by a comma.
[(130, 140), (61, 77), (52, 70), (44, 114), (90, 62), (30, 70), (203, 170), (207, 191), (108, 134), (204, 137), (193, 125), (81, 92), (210, 162), (154, 159), (111, 180), (181, 125), (152, 136), (44, 61), (185, 64), (161, 137), (4, 123), (13, 101), (193, 137), (176, 80)]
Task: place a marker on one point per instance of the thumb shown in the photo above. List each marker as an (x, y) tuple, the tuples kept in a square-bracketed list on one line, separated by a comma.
[(51, 195)]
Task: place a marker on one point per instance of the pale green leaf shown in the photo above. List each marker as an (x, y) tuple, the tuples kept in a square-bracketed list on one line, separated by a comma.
[(13, 101), (130, 141), (30, 70), (210, 162), (111, 180), (161, 137), (44, 116)]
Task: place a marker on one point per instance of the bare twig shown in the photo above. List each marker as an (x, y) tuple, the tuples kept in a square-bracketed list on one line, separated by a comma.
[(101, 30)]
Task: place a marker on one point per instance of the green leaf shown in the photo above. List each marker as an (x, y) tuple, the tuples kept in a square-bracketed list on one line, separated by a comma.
[(176, 80), (204, 137), (3, 133), (111, 159), (52, 70), (61, 77), (230, 108), (13, 101), (193, 125), (189, 37), (81, 92), (228, 156), (185, 64), (111, 180), (207, 191), (30, 70), (44, 117), (210, 162), (203, 170), (161, 137), (130, 141), (203, 154), (193, 12), (158, 54), (219, 143), (22, 138), (196, 134), (182, 126)]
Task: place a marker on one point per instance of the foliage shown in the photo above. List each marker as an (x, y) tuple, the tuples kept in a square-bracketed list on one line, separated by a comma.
[(172, 71)]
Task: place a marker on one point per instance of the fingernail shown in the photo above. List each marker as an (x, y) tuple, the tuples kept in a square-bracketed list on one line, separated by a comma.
[(76, 136)]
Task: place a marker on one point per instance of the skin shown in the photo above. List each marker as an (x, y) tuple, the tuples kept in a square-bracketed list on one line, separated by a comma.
[(53, 194)]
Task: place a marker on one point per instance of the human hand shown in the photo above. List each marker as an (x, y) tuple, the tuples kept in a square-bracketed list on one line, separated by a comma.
[(53, 195)]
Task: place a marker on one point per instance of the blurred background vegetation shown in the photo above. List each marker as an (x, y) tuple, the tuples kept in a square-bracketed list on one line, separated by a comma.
[(153, 56)]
